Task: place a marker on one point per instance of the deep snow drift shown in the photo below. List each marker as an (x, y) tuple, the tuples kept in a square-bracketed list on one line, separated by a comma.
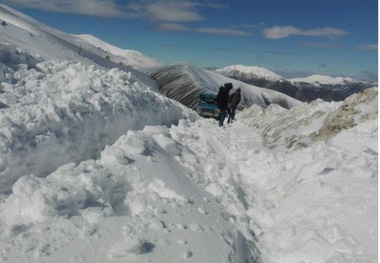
[(97, 181), (67, 112)]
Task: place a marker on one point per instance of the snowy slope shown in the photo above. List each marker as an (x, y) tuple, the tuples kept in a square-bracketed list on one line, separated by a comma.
[(330, 88), (30, 35), (322, 79), (303, 89), (183, 82), (128, 57)]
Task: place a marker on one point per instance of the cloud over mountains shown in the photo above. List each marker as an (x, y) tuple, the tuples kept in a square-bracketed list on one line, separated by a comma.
[(278, 32)]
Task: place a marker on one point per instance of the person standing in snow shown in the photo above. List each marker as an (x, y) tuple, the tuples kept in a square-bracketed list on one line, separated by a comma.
[(234, 101), (222, 101)]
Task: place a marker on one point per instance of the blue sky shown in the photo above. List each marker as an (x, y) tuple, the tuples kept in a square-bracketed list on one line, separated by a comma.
[(294, 38)]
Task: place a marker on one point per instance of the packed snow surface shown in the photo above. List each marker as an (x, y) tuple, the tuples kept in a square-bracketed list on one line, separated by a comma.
[(98, 167)]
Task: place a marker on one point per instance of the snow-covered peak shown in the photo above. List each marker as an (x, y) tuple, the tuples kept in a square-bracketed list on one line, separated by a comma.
[(323, 79), (18, 19), (257, 72)]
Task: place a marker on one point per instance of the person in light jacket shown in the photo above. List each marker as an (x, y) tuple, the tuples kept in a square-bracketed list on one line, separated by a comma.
[(234, 101)]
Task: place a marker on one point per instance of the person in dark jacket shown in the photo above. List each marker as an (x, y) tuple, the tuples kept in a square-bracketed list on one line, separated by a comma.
[(222, 101), (234, 101)]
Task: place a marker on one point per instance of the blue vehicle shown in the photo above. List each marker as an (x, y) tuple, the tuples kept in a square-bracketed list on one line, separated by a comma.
[(207, 106)]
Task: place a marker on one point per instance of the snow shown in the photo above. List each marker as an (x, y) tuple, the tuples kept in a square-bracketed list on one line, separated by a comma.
[(97, 166), (322, 79), (181, 81), (129, 57), (51, 44), (258, 72), (60, 108)]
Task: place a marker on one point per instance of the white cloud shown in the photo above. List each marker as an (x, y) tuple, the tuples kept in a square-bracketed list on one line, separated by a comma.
[(222, 31), (166, 15), (152, 10), (165, 11), (102, 8), (278, 32), (170, 27), (318, 45), (206, 30), (373, 47)]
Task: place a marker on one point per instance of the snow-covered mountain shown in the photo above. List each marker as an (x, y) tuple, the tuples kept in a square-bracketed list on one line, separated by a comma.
[(322, 80), (30, 35), (183, 82), (249, 72), (304, 89), (98, 166)]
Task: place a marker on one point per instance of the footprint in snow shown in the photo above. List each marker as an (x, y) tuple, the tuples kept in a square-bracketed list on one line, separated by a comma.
[(196, 227), (181, 226), (200, 210), (131, 246), (187, 254), (182, 242)]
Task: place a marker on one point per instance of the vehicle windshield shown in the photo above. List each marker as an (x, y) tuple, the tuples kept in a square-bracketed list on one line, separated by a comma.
[(209, 99)]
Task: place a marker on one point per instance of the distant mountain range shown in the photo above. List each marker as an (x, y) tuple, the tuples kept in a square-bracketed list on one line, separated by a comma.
[(303, 89)]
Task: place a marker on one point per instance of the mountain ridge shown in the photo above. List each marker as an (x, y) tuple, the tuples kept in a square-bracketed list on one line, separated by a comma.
[(304, 89), (128, 57)]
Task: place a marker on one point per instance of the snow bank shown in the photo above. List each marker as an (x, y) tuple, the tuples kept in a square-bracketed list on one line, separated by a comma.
[(356, 109), (323, 203), (14, 58), (136, 203), (302, 198), (310, 122), (55, 113)]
